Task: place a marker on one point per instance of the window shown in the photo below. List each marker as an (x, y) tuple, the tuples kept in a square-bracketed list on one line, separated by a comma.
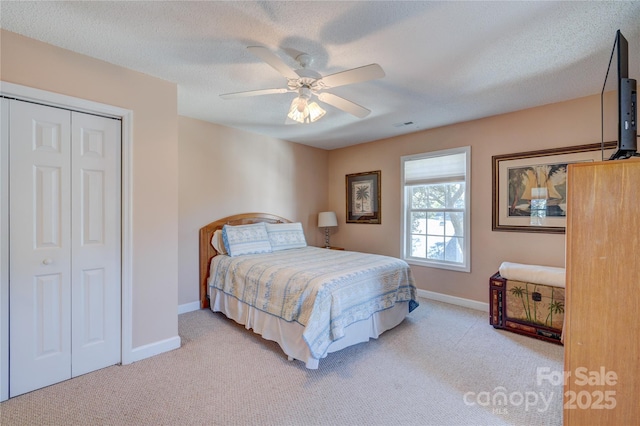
[(435, 225)]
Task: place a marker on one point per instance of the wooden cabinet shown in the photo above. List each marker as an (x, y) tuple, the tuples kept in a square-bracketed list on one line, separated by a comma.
[(602, 329)]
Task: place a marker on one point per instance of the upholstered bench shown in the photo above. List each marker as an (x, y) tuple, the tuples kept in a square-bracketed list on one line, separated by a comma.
[(528, 299)]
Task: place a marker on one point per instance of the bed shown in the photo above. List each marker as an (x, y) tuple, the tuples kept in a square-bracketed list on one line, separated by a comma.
[(311, 301)]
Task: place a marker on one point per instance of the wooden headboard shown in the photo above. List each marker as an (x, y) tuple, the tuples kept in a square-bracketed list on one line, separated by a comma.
[(207, 252)]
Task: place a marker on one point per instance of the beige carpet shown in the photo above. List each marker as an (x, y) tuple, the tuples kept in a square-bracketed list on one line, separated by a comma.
[(444, 365)]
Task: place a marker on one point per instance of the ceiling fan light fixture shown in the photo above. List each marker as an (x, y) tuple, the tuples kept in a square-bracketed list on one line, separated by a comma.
[(299, 110), (309, 83), (302, 111), (315, 112)]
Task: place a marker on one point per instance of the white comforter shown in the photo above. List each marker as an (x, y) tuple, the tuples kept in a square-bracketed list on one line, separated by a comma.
[(323, 290)]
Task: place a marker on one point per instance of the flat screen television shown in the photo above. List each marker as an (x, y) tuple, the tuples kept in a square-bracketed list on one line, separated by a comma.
[(626, 116)]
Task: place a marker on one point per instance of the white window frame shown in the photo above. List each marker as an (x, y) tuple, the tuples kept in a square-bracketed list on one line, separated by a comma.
[(405, 233)]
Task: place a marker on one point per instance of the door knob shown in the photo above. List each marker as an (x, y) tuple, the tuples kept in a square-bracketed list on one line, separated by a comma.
[(47, 261)]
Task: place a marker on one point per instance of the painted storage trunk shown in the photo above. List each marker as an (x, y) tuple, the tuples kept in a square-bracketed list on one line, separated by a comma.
[(531, 309)]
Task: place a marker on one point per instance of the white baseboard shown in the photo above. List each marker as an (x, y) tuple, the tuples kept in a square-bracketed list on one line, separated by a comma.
[(454, 300), (153, 349), (188, 307)]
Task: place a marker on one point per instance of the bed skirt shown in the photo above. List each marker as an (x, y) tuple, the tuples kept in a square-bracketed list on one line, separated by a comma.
[(289, 334)]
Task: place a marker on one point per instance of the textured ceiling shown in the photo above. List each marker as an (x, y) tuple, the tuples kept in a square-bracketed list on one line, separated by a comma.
[(445, 62)]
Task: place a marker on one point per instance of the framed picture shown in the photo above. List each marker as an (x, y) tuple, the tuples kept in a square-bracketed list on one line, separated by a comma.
[(529, 189), (363, 197)]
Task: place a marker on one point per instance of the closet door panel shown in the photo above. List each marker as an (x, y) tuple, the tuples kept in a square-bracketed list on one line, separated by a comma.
[(40, 247), (4, 249), (96, 219)]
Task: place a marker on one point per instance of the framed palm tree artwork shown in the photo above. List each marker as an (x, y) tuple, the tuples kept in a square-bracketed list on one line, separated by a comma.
[(529, 188), (363, 197)]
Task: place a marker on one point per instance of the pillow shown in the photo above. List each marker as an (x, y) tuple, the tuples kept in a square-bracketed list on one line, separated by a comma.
[(217, 243), (246, 239), (283, 236)]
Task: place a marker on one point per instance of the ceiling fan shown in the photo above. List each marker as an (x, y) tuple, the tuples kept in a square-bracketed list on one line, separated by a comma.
[(309, 83)]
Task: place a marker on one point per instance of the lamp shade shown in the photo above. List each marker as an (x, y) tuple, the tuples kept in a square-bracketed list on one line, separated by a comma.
[(299, 110), (315, 112), (303, 111), (327, 219)]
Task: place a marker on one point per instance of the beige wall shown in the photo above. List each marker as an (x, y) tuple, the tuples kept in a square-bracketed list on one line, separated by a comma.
[(153, 101), (224, 171), (563, 124)]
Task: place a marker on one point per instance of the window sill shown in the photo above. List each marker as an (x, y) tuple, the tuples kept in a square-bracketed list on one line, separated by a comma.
[(439, 265)]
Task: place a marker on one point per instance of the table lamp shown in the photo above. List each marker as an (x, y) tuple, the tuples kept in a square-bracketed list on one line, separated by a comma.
[(327, 220)]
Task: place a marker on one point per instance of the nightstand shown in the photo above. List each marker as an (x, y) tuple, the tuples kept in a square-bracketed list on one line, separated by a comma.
[(334, 248)]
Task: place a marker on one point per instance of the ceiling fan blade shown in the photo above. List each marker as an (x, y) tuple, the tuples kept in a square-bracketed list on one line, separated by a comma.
[(272, 59), (343, 104), (252, 93), (355, 75)]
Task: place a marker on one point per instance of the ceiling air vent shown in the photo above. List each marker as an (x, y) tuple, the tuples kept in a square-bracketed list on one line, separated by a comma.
[(405, 124)]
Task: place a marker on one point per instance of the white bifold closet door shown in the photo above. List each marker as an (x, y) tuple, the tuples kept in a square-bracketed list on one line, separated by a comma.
[(64, 245)]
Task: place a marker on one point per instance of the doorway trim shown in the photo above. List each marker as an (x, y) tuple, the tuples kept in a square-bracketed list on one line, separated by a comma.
[(25, 93)]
